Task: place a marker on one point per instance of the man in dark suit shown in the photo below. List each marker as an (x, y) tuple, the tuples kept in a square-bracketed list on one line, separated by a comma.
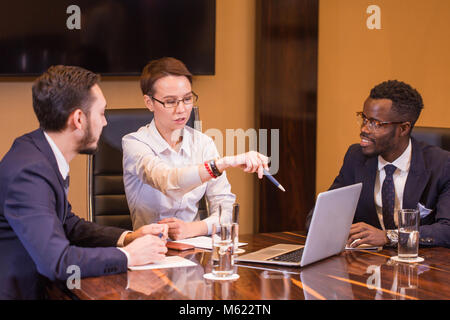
[(40, 238), (396, 170)]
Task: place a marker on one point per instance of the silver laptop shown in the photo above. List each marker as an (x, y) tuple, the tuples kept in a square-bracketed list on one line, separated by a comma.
[(327, 235)]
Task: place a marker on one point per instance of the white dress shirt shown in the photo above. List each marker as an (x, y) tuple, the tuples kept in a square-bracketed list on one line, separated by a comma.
[(63, 166), (400, 175), (162, 183)]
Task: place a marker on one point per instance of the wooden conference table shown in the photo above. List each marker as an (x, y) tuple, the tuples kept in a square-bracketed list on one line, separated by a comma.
[(350, 275)]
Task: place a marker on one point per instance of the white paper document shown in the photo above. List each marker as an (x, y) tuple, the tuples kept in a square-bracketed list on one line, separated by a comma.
[(168, 262), (202, 242)]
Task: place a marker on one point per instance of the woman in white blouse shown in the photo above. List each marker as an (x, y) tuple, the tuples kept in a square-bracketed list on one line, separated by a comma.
[(168, 166)]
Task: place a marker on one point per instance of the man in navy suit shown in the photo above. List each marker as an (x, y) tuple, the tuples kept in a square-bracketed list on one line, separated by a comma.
[(396, 170), (40, 237)]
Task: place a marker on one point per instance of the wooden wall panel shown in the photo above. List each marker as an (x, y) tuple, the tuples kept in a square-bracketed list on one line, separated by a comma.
[(285, 98)]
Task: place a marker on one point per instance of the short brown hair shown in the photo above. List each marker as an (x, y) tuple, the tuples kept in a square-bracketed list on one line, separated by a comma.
[(58, 92), (157, 69), (406, 101)]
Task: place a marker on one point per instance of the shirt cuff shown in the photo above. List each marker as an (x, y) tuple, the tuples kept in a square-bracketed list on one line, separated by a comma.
[(210, 221), (122, 239), (128, 256)]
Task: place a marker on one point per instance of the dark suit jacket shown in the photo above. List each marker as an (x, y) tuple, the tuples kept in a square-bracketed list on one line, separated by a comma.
[(428, 183), (40, 237)]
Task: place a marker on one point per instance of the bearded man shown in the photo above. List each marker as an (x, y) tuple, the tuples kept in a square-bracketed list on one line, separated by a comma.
[(40, 237)]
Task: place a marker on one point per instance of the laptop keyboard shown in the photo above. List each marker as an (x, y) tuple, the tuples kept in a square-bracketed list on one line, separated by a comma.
[(293, 256)]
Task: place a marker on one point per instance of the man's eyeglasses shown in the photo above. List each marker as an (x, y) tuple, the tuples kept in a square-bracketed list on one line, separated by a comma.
[(373, 124), (169, 103)]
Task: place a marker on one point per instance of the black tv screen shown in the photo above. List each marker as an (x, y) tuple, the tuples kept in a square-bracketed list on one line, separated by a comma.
[(110, 37)]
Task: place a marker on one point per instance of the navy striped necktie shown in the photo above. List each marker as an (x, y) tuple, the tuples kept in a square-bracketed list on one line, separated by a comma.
[(388, 197), (66, 184)]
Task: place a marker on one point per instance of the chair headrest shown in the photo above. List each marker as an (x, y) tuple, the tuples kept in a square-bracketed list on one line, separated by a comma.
[(124, 121), (434, 136)]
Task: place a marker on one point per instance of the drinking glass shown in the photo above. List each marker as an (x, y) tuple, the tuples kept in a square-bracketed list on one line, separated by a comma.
[(408, 234), (235, 229), (223, 246), (222, 250)]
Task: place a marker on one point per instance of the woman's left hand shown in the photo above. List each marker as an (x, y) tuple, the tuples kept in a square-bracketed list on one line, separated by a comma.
[(178, 229)]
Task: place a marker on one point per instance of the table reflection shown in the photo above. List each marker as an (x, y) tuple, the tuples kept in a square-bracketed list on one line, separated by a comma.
[(326, 280), (406, 280), (178, 283), (275, 285), (385, 278)]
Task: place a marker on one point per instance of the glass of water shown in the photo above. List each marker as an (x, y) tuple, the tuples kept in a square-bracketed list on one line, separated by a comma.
[(408, 234), (223, 245), (235, 229)]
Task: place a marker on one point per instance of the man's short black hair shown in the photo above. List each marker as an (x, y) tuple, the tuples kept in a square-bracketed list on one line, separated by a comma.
[(406, 101), (58, 92)]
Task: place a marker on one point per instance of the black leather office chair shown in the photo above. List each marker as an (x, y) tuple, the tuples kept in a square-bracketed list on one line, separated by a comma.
[(435, 136), (107, 203)]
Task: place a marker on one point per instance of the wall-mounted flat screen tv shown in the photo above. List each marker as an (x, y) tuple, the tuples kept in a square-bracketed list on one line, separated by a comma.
[(110, 37)]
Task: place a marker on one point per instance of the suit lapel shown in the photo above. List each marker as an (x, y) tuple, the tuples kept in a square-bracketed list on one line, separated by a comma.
[(42, 144), (418, 177)]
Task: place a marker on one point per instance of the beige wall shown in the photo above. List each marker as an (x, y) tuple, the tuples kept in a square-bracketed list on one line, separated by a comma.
[(226, 101), (411, 46)]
